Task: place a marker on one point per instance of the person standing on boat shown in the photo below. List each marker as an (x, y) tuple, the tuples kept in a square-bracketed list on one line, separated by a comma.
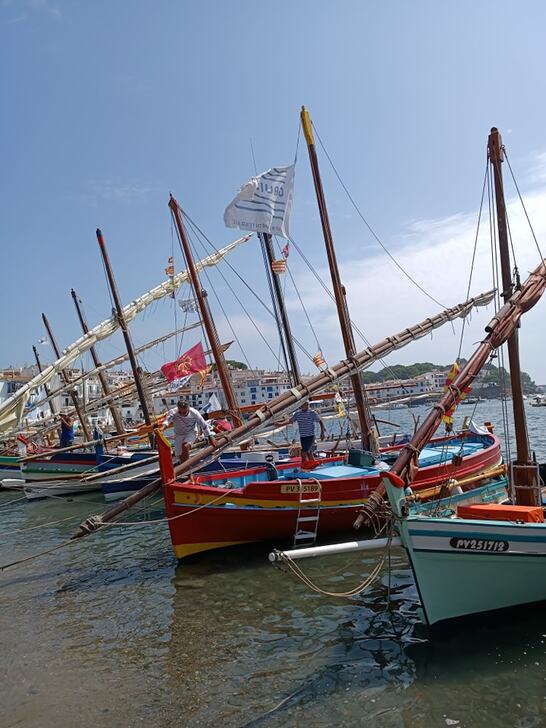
[(306, 420), (185, 421), (67, 430)]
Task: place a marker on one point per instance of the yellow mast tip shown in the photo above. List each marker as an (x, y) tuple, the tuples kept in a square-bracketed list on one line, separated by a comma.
[(307, 126)]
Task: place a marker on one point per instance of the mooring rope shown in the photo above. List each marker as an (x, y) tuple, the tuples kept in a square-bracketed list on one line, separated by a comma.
[(297, 571)]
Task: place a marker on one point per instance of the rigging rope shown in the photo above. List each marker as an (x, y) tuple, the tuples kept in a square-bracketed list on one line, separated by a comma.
[(484, 186), (256, 327), (358, 331), (371, 230), (247, 286), (319, 348), (228, 321), (522, 203)]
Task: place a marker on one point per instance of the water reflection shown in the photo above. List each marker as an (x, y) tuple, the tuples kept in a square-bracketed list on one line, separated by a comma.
[(112, 632)]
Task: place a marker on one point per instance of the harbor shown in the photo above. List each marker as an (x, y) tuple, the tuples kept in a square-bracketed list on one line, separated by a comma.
[(272, 383), (129, 636)]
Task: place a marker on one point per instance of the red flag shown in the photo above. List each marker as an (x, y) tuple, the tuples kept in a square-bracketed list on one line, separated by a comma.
[(191, 362), (286, 251)]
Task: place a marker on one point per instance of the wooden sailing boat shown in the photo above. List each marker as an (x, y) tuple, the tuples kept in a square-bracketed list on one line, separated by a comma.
[(485, 558)]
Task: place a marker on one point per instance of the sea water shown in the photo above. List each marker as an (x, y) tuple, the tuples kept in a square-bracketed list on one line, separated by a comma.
[(110, 631)]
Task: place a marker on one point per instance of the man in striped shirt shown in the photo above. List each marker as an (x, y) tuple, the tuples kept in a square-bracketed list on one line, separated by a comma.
[(306, 420)]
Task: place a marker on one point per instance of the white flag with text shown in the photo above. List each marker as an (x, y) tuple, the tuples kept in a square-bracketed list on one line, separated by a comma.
[(264, 204)]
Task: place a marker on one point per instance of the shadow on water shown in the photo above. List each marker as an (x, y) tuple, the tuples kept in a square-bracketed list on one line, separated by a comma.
[(251, 646)]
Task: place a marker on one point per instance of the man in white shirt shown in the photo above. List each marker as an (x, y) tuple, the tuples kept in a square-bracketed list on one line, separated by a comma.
[(185, 421)]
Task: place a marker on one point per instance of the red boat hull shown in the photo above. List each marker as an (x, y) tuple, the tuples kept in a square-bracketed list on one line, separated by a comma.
[(204, 517)]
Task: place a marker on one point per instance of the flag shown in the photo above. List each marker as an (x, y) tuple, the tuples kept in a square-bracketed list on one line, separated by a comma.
[(278, 266), (286, 251), (188, 305), (213, 405), (340, 406), (191, 362), (169, 270), (447, 417), (318, 360), (264, 203)]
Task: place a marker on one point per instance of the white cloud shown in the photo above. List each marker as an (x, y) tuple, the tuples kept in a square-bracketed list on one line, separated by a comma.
[(120, 191), (437, 254)]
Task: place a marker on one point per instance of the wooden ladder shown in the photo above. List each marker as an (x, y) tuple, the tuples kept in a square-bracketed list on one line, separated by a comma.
[(307, 525)]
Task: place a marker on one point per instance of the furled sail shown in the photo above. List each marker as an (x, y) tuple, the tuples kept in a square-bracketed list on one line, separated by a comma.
[(11, 412)]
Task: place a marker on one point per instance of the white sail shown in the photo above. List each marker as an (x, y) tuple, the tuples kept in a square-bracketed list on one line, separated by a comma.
[(11, 412)]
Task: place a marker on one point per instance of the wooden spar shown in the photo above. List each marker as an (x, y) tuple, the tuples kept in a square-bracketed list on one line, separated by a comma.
[(366, 431), (278, 304), (100, 373), (112, 363), (290, 400), (52, 406), (206, 316), (117, 396), (12, 409), (524, 471), (499, 330), (125, 331), (48, 453), (73, 393)]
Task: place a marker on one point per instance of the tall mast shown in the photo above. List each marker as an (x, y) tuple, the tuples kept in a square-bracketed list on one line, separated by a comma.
[(101, 374), (124, 330), (73, 393), (524, 470), (52, 406), (206, 317), (286, 337), (368, 439)]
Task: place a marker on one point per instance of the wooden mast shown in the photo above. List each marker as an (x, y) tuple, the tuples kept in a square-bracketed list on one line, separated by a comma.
[(367, 435), (73, 393), (101, 374), (206, 316), (52, 407), (125, 331), (295, 375), (524, 470)]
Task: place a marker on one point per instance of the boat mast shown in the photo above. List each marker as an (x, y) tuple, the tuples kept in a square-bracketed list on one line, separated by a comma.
[(524, 470), (367, 435), (73, 393), (125, 332), (52, 407), (101, 374), (278, 302), (206, 316)]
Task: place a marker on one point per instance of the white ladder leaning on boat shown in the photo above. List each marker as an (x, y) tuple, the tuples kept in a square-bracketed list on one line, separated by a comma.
[(307, 525)]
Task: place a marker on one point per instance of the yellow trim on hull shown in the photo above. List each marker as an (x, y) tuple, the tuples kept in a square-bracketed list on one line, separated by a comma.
[(188, 549), (194, 499)]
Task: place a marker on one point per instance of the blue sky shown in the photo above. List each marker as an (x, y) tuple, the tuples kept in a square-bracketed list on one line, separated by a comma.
[(109, 106)]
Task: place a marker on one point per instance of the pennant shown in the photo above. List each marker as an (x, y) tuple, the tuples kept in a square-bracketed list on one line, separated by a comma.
[(191, 362), (278, 266), (213, 405), (169, 270), (188, 305), (447, 417), (286, 251), (264, 203), (318, 360), (340, 405)]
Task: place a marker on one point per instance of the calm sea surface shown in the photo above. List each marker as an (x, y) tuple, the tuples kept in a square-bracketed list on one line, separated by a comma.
[(112, 632)]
